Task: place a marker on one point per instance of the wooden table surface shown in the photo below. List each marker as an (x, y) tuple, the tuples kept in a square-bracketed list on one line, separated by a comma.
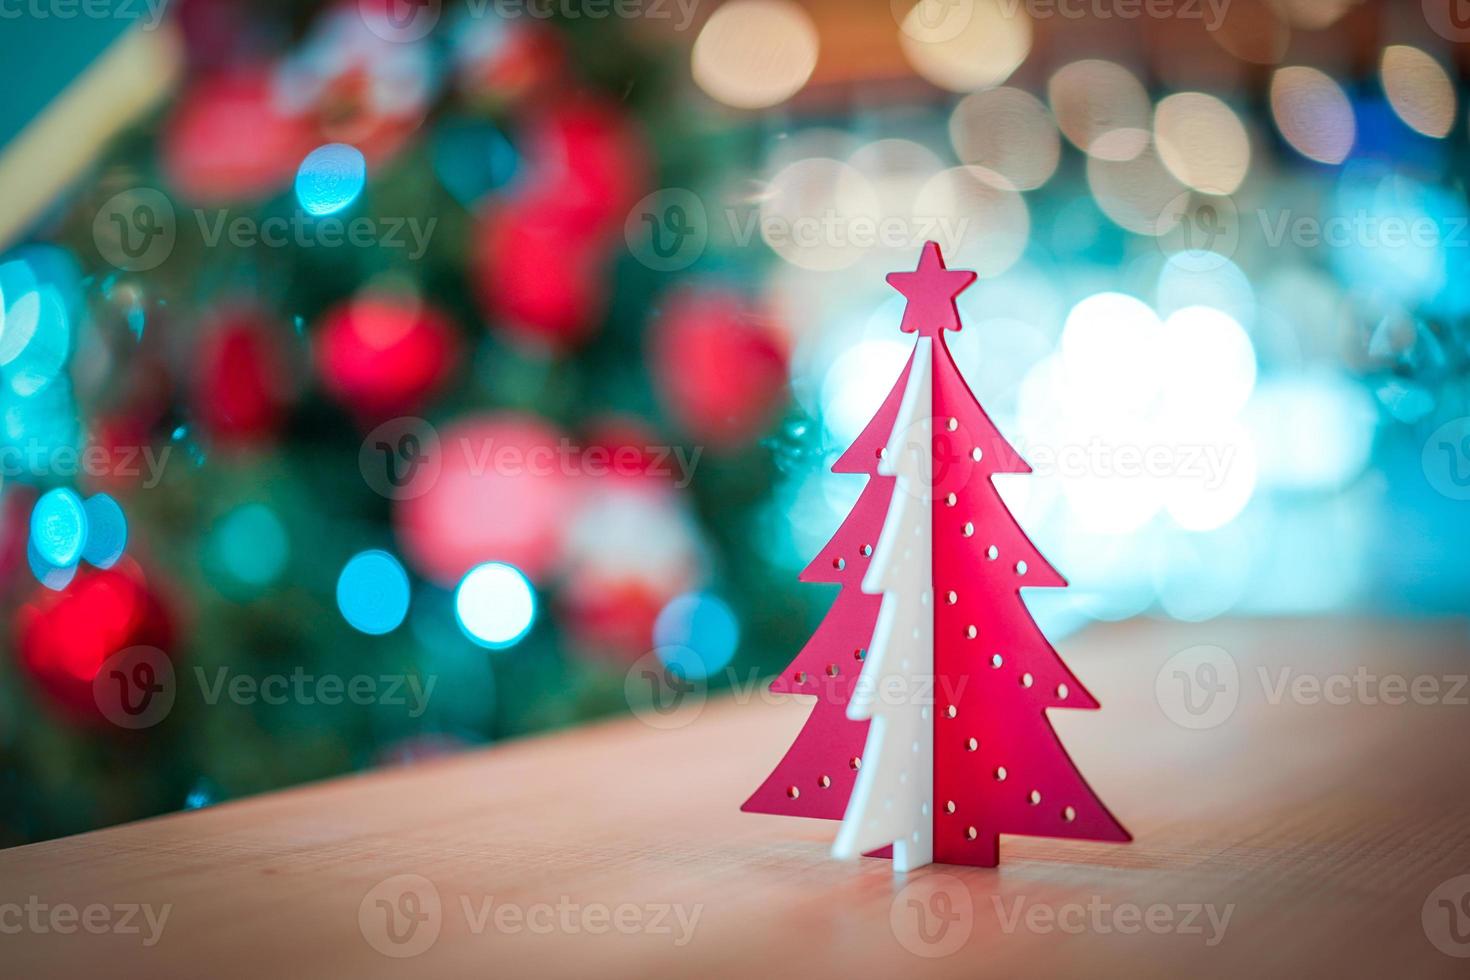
[(1318, 829)]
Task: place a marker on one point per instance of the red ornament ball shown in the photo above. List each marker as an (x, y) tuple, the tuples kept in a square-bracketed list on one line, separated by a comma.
[(504, 492), (62, 638), (719, 366), (382, 355), (242, 379), (539, 279), (587, 164), (229, 139)]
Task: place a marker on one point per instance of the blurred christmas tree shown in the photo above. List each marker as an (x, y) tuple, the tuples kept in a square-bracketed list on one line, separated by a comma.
[(361, 289)]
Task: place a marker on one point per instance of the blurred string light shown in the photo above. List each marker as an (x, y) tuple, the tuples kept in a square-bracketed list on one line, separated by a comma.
[(107, 531), (59, 527), (372, 592), (1419, 89), (495, 605), (696, 635), (1008, 132), (967, 46), (1202, 142), (250, 544), (1313, 114), (330, 178), (752, 54), (1101, 107)]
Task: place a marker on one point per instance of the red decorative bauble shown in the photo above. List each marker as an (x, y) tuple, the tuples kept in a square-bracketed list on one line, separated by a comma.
[(503, 493), (540, 279), (63, 638), (382, 355), (230, 140), (719, 366), (587, 164), (242, 379)]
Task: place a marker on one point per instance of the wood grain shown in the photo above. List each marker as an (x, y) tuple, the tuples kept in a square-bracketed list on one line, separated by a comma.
[(1322, 828)]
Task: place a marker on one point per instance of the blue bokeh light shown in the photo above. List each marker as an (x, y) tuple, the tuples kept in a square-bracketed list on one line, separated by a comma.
[(372, 592), (696, 634), (330, 178), (495, 605), (59, 527), (107, 531), (47, 574), (252, 545)]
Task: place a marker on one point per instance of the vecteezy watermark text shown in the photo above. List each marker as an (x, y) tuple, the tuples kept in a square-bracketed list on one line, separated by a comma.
[(147, 13), (1103, 916), (39, 917), (1210, 12)]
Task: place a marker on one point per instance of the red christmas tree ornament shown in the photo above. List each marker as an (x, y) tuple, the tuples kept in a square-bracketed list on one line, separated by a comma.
[(587, 164), (230, 139), (62, 638), (382, 355), (242, 379), (719, 366), (503, 62), (945, 730)]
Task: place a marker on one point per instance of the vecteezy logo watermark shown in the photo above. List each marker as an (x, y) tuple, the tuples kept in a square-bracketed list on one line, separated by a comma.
[(410, 20), (932, 916), (135, 688), (1101, 916), (933, 21), (1205, 225), (1446, 917), (1198, 687), (135, 229), (1446, 459), (38, 458), (667, 230), (1450, 19), (660, 692), (403, 458), (1210, 12), (38, 917), (402, 916), (147, 13)]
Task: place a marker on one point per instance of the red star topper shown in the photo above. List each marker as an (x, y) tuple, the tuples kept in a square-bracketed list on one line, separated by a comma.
[(931, 290)]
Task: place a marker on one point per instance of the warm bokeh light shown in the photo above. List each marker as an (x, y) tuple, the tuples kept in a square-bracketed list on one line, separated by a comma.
[(1313, 114), (1009, 132), (752, 54), (1202, 142), (977, 217), (1139, 194), (1093, 99), (964, 53), (814, 212), (1419, 90)]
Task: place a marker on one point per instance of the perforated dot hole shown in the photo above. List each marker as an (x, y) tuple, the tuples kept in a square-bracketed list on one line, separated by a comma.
[(951, 711), (855, 763), (839, 563), (832, 670), (824, 781), (1000, 774), (793, 792), (881, 453), (971, 744), (1035, 797), (992, 553), (859, 654), (975, 454), (1027, 680), (1062, 692), (949, 806), (996, 661), (800, 677), (952, 597), (971, 833), (971, 632), (950, 500), (952, 424), (867, 551), (969, 529), (1069, 814), (1020, 568)]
